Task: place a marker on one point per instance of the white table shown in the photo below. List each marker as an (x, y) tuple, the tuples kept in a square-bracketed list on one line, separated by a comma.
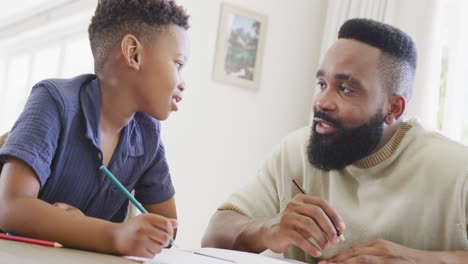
[(23, 253)]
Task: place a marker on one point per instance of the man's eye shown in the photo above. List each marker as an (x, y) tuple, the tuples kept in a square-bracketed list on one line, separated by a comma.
[(344, 90), (321, 84)]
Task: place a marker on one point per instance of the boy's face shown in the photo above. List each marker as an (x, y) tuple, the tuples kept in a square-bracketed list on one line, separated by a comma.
[(160, 83)]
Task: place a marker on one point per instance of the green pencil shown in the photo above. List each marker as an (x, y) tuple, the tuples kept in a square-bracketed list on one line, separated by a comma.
[(126, 193)]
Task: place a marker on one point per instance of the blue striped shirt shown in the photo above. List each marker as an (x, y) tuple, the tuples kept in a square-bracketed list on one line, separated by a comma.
[(57, 135)]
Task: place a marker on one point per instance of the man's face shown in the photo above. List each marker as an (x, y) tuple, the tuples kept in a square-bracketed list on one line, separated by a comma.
[(348, 116)]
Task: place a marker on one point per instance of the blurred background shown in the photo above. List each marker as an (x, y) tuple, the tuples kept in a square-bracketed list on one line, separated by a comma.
[(221, 134)]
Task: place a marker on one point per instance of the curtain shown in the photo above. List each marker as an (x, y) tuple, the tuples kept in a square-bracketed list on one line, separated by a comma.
[(341, 10)]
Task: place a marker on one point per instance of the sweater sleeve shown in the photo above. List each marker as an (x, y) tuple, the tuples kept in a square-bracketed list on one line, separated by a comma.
[(269, 191)]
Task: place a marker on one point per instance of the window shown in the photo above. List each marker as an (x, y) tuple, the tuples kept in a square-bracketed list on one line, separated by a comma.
[(53, 49), (453, 120), (45, 64), (77, 57), (16, 80)]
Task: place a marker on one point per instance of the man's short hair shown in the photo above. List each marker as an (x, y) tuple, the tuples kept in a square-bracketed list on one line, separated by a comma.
[(399, 55), (113, 19)]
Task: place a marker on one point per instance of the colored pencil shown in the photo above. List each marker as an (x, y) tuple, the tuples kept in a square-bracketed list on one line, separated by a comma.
[(130, 197), (31, 240), (341, 236)]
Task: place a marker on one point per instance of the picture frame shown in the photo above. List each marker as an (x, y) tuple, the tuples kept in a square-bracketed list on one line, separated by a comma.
[(240, 47)]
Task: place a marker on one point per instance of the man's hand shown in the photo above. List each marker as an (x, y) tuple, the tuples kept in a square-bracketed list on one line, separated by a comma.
[(380, 252), (303, 218), (144, 235)]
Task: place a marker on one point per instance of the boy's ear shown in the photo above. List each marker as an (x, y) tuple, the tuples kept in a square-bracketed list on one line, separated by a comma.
[(397, 106), (131, 51)]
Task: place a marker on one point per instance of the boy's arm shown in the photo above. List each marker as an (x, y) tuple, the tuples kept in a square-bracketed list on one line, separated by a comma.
[(166, 209), (22, 213)]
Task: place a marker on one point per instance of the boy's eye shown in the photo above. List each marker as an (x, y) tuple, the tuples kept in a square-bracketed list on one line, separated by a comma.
[(179, 65)]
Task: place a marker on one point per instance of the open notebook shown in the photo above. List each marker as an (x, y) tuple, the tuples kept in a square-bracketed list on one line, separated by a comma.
[(211, 256)]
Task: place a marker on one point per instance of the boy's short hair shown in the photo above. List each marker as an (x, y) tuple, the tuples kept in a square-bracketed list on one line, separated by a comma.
[(113, 19), (398, 61)]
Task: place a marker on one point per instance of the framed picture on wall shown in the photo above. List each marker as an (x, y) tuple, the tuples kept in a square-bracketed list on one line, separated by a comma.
[(239, 47)]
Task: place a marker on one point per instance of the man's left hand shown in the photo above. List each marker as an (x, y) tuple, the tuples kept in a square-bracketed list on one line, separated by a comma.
[(379, 252)]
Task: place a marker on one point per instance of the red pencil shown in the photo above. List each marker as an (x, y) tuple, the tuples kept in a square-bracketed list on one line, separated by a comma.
[(341, 236), (31, 240), (298, 186)]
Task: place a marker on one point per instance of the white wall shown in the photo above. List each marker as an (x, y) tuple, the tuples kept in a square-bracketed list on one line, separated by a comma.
[(221, 134)]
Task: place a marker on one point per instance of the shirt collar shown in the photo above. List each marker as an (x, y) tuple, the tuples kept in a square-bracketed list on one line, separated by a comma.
[(131, 138)]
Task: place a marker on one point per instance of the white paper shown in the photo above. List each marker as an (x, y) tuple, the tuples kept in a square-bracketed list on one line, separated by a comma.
[(178, 256)]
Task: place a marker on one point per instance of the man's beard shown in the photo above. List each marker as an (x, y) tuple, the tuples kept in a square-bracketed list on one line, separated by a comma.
[(346, 145)]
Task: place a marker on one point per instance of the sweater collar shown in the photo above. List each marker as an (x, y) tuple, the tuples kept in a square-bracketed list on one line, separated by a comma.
[(386, 151)]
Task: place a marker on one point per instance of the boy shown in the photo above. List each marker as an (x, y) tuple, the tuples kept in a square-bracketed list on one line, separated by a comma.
[(69, 128)]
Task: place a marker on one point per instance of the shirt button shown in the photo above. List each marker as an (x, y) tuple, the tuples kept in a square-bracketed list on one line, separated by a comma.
[(99, 156)]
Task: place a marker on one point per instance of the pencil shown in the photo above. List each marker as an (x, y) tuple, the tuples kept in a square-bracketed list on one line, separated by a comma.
[(341, 236), (130, 197), (31, 240)]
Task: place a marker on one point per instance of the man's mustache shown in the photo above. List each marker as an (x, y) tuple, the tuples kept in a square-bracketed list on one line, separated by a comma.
[(336, 123)]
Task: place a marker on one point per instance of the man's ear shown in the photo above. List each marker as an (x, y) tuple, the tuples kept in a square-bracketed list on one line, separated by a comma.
[(396, 108), (131, 51)]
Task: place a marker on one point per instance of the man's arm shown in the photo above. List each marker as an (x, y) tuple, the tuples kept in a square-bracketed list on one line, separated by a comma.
[(231, 230), (383, 251), (455, 257), (303, 218), (22, 213)]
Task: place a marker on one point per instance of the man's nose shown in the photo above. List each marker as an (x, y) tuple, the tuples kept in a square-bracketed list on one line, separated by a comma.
[(325, 102)]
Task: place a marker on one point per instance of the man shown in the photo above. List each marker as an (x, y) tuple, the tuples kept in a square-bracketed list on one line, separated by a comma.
[(396, 191)]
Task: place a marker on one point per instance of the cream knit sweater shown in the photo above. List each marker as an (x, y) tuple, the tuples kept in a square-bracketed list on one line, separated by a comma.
[(413, 191)]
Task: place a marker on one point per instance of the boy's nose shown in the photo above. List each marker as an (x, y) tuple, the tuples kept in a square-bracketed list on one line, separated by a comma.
[(181, 86)]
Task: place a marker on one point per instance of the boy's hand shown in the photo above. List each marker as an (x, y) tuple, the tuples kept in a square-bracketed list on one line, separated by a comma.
[(69, 208), (303, 218), (144, 235)]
